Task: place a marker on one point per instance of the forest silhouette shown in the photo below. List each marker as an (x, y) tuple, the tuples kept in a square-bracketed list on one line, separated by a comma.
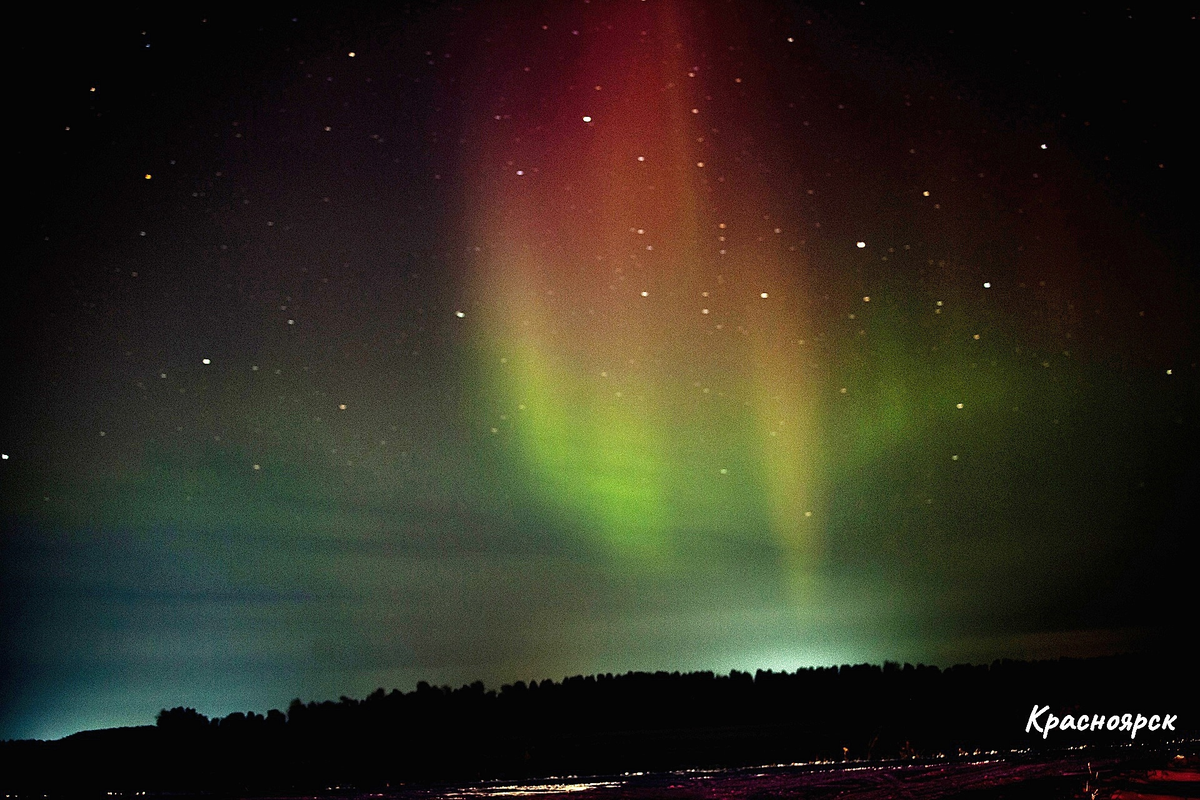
[(607, 724)]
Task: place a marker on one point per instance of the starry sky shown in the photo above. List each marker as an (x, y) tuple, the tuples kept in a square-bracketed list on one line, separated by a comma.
[(515, 340)]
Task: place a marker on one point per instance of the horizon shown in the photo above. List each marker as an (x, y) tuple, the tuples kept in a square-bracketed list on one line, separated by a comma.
[(498, 687), (350, 348)]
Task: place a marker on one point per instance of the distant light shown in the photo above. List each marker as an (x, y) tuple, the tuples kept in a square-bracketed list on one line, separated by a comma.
[(1168, 372), (351, 54), (520, 172), (148, 176), (205, 361), (699, 163), (925, 193), (987, 284), (3, 456), (587, 119), (1044, 147), (862, 245), (459, 314)]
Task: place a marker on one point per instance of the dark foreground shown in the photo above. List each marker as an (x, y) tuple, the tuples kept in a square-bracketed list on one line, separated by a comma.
[(983, 778), (1163, 773)]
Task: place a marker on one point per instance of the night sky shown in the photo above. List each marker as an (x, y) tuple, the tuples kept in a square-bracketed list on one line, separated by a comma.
[(503, 341)]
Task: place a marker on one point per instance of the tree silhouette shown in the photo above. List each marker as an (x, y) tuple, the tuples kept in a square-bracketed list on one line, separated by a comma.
[(609, 723)]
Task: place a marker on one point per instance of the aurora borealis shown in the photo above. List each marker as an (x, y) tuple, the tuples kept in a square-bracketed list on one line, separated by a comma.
[(507, 341), (642, 335)]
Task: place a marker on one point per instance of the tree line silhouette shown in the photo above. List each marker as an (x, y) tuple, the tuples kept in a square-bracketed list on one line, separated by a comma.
[(610, 723)]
